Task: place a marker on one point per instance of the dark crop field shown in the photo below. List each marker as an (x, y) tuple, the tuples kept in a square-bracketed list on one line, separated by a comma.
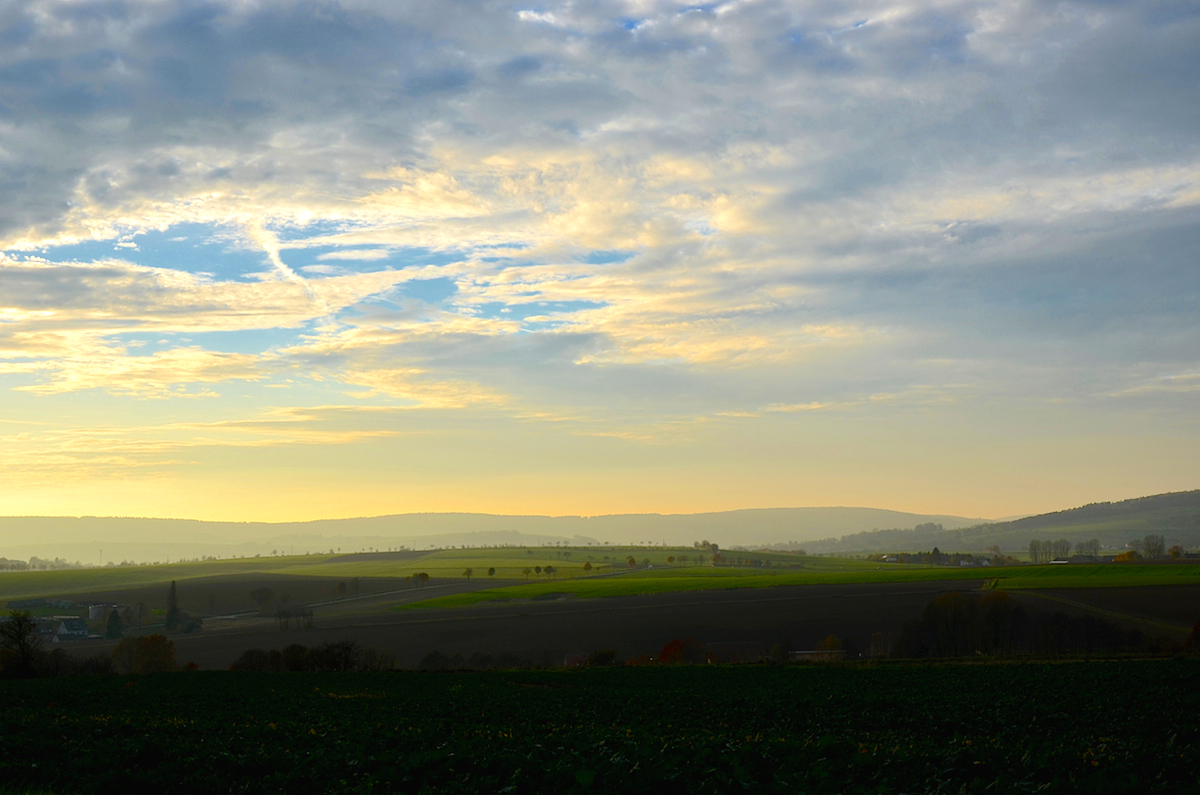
[(963, 728), (1164, 604), (544, 632)]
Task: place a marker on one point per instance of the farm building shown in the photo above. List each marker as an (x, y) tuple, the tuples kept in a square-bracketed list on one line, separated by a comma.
[(71, 629), (100, 610)]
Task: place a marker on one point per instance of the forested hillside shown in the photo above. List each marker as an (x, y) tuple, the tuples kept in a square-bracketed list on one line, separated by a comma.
[(1175, 516)]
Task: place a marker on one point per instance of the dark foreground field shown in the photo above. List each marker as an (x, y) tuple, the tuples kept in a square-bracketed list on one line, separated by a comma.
[(544, 632), (963, 728)]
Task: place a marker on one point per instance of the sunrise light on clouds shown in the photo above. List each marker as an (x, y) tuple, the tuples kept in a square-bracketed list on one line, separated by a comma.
[(283, 261)]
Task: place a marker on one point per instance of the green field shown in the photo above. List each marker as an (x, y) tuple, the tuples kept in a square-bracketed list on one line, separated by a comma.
[(692, 579), (963, 728), (667, 580), (1099, 575), (33, 584), (610, 575), (509, 563)]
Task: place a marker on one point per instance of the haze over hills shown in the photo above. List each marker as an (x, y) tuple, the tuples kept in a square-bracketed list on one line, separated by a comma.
[(93, 540), (1176, 516), (139, 539)]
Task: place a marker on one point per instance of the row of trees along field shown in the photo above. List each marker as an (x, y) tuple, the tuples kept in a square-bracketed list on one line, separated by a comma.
[(957, 624), (1046, 551), (1151, 547), (22, 656)]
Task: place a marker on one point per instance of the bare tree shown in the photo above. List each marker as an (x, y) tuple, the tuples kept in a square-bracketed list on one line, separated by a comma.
[(1154, 545), (173, 616), (19, 640), (114, 629), (145, 655), (263, 597)]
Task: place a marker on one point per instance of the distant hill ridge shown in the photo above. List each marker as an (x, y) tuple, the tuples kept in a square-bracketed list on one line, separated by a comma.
[(81, 538), (825, 529), (1175, 515), (1186, 501)]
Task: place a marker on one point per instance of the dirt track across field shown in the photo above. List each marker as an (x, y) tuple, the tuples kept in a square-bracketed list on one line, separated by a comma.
[(1160, 609)]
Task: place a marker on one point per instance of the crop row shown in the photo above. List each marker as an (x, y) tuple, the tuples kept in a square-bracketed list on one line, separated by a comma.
[(1093, 727)]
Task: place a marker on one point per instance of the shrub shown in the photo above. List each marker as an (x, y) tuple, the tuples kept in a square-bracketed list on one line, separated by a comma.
[(376, 660), (295, 658), (145, 655), (341, 655), (251, 660), (603, 658), (60, 663), (681, 651), (436, 661)]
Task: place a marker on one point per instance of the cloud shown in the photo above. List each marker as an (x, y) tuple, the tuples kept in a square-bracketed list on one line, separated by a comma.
[(146, 376), (358, 255), (71, 454), (636, 214)]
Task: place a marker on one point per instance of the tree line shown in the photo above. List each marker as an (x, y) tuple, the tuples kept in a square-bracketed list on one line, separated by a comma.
[(332, 656), (1152, 546), (23, 657), (957, 624)]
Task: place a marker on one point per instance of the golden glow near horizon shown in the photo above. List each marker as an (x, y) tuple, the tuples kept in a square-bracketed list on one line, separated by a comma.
[(638, 257)]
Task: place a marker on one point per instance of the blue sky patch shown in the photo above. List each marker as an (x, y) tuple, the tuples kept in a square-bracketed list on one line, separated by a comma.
[(606, 257), (523, 311), (239, 341), (431, 291), (194, 248)]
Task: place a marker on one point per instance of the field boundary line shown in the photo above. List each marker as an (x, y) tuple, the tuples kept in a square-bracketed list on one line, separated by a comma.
[(747, 591), (1105, 612), (362, 597)]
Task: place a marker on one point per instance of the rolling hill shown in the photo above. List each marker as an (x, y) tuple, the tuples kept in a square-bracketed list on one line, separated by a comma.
[(819, 530), (1176, 516), (82, 538)]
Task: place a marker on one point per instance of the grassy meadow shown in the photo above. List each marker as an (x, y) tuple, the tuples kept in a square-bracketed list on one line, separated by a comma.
[(695, 579), (1098, 575), (610, 574), (510, 563)]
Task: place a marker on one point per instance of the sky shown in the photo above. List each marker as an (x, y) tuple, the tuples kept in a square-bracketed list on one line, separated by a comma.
[(280, 261)]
